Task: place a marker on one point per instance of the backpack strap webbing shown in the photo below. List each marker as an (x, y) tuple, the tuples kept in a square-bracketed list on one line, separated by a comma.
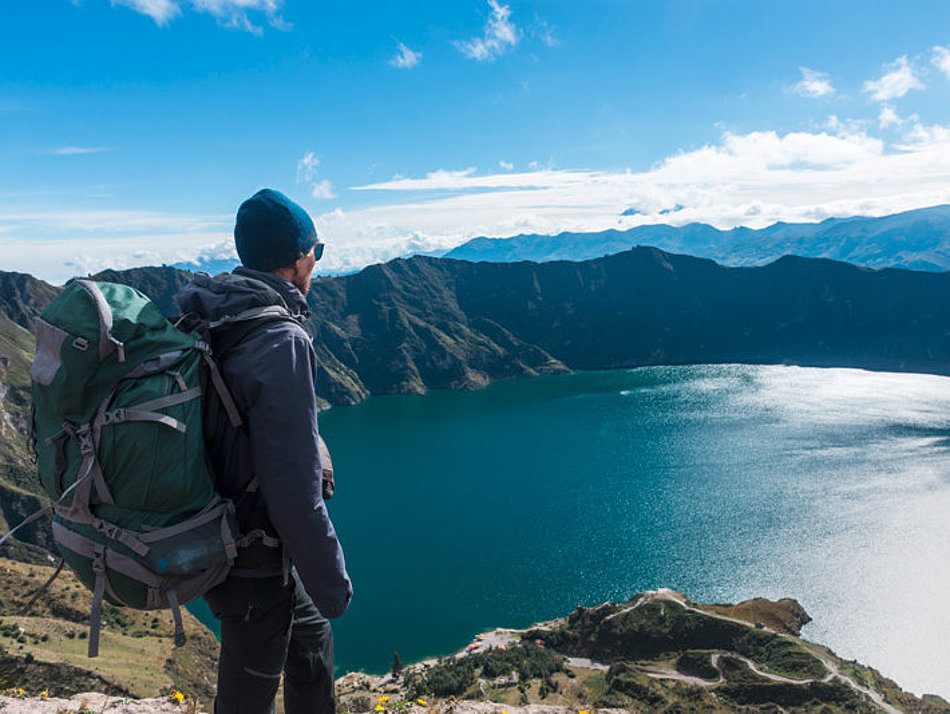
[(43, 588), (227, 333), (95, 614), (29, 519), (180, 637)]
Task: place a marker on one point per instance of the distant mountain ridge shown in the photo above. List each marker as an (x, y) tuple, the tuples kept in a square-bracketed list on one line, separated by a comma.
[(915, 240)]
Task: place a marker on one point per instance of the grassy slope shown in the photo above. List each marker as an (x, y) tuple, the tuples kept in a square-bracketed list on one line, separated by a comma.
[(16, 354), (137, 655)]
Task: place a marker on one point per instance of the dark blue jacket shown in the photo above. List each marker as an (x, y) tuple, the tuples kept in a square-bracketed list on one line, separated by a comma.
[(271, 373)]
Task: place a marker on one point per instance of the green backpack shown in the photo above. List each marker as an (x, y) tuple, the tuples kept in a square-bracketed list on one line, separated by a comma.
[(117, 392)]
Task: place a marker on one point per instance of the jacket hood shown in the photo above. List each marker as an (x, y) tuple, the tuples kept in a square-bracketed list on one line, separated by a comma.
[(215, 297)]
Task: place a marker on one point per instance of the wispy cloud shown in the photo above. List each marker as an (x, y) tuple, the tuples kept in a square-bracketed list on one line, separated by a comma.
[(161, 11), (235, 14), (813, 84), (506, 165), (77, 150), (545, 32), (500, 35), (307, 167), (322, 189), (434, 180), (941, 59), (898, 79), (307, 171), (405, 58), (888, 117)]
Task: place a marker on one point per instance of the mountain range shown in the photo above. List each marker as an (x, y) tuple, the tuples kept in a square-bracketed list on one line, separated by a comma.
[(431, 323), (916, 240)]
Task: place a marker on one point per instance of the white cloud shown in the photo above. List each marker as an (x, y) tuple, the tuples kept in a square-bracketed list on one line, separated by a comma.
[(506, 166), (895, 83), (228, 13), (921, 136), (888, 117), (500, 36), (322, 189), (813, 84), (161, 11), (941, 59), (307, 170), (77, 150), (64, 243), (307, 167), (405, 58), (434, 180)]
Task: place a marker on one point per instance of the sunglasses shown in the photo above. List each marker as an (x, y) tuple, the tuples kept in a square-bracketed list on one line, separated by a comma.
[(318, 250)]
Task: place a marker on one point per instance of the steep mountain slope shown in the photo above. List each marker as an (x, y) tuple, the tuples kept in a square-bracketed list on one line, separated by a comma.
[(429, 323), (23, 297), (424, 323)]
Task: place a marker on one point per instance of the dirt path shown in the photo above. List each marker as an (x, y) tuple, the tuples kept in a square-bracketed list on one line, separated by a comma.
[(831, 667)]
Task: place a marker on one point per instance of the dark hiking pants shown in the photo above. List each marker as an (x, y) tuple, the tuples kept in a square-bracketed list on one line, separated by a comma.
[(268, 628)]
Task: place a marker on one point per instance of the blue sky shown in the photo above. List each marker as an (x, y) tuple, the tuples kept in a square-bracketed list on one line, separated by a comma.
[(131, 130)]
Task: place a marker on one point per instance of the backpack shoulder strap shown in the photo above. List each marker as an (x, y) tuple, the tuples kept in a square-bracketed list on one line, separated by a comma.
[(229, 331)]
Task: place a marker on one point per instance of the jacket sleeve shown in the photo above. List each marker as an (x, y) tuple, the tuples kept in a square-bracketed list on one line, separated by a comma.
[(282, 426)]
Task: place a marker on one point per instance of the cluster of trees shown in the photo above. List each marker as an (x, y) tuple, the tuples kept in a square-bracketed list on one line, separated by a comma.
[(456, 676)]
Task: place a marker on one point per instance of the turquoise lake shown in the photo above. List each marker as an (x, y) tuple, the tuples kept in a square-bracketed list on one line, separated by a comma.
[(463, 511)]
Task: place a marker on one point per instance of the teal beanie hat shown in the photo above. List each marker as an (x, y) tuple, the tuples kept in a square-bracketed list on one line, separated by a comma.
[(272, 231)]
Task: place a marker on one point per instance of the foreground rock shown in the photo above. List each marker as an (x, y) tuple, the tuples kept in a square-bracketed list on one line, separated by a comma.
[(92, 703)]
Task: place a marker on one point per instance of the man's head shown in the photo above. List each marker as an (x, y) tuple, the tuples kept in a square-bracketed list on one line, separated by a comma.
[(275, 235)]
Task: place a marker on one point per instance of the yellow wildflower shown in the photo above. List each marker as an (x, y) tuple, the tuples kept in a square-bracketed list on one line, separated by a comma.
[(20, 690), (178, 697), (383, 699), (583, 711), (44, 694), (380, 708), (422, 702)]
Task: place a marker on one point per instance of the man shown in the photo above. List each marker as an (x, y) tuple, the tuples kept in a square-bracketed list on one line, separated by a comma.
[(271, 468)]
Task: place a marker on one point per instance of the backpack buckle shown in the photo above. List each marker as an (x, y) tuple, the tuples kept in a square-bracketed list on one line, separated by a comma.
[(86, 445), (99, 561), (114, 417)]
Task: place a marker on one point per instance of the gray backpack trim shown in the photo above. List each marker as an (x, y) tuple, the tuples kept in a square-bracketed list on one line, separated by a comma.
[(255, 313), (107, 343), (49, 345), (162, 590)]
